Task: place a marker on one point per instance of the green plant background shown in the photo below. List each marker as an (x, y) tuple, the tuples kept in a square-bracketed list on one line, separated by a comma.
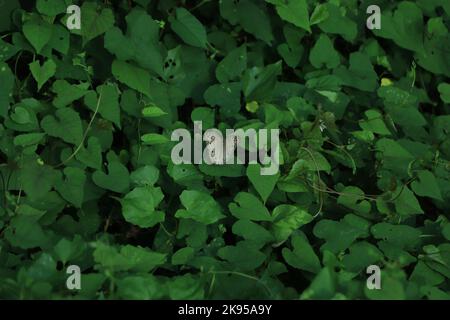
[(86, 176)]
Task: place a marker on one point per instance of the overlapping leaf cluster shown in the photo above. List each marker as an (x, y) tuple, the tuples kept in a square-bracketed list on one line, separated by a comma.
[(87, 178)]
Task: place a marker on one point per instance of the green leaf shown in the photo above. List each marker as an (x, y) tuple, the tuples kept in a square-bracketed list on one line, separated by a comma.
[(392, 287), (258, 83), (28, 139), (188, 28), (313, 161), (129, 257), (108, 106), (286, 219), (95, 20), (141, 259), (426, 276), (66, 126), (67, 93), (66, 250), (444, 90), (293, 11), (242, 256), (354, 198), (200, 206), (402, 236), (247, 206), (338, 22), (406, 203), (8, 8), (319, 14), (6, 87), (139, 206), (140, 43), (302, 256), (362, 254), (186, 287), (145, 176), (23, 232), (73, 186), (374, 123), (405, 27), (134, 77), (427, 185), (42, 73), (38, 32), (182, 256), (324, 54), (252, 106), (152, 111), (116, 180), (37, 180), (205, 115), (226, 96), (264, 184), (446, 231), (395, 157), (254, 19), (360, 75), (92, 155), (154, 138), (144, 287), (322, 287), (51, 7), (339, 235), (232, 66), (252, 231)]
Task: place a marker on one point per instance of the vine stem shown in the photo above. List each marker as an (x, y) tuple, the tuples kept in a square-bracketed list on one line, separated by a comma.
[(319, 179), (199, 5), (244, 275), (342, 148), (85, 133)]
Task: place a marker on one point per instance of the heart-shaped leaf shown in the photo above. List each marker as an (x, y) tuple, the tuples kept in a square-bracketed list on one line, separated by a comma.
[(67, 125), (264, 184), (42, 73), (117, 179)]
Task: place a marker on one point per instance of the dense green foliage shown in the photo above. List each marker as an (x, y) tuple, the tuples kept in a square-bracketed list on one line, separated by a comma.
[(87, 179)]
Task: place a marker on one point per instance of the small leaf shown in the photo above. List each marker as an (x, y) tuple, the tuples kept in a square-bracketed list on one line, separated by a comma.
[(154, 138), (264, 184), (152, 111), (42, 73), (28, 139)]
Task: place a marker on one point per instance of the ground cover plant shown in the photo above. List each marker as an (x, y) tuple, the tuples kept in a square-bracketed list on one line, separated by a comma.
[(86, 116)]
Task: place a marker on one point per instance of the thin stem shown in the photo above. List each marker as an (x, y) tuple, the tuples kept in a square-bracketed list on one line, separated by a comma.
[(319, 179), (244, 275), (199, 5), (85, 133)]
